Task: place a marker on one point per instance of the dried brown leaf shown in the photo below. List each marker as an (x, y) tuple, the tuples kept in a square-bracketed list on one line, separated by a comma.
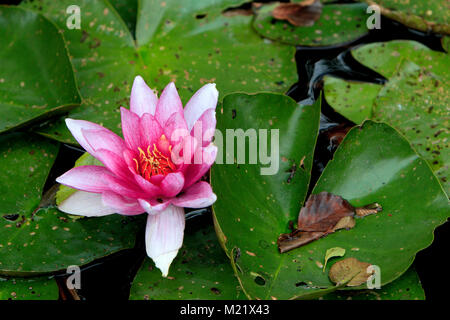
[(349, 270), (303, 14)]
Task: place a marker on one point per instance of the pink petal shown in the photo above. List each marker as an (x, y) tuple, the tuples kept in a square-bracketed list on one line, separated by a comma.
[(86, 178), (114, 163), (205, 98), (150, 130), (85, 204), (204, 127), (76, 127), (175, 128), (104, 139), (149, 188), (143, 99), (124, 188), (122, 205), (172, 184), (199, 195), (130, 128), (153, 207), (168, 103), (164, 237), (194, 172)]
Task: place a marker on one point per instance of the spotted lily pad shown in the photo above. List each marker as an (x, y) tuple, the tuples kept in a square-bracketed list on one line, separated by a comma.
[(200, 271), (35, 237), (339, 23), (36, 76), (192, 43), (414, 100), (40, 288), (374, 163), (407, 287), (424, 15)]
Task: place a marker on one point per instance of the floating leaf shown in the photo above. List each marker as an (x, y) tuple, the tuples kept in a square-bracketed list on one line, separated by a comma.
[(191, 43), (421, 14), (333, 253), (36, 238), (200, 271), (414, 100), (338, 23), (350, 271), (36, 77), (374, 163), (41, 288)]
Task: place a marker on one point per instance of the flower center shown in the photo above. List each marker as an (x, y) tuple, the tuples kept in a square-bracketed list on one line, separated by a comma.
[(153, 163)]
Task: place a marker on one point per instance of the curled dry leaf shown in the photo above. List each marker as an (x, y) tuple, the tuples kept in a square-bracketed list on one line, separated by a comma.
[(303, 13), (323, 213), (350, 271)]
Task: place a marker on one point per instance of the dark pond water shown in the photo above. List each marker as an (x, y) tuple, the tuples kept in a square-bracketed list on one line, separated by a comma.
[(111, 277)]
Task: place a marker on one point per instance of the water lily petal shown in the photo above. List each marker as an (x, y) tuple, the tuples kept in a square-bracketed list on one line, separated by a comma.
[(130, 128), (86, 178), (175, 128), (153, 207), (149, 188), (164, 236), (199, 195), (143, 99), (85, 204), (168, 103), (205, 126), (122, 205), (150, 130), (205, 98), (124, 188), (76, 127), (104, 139), (195, 171), (114, 163), (172, 184)]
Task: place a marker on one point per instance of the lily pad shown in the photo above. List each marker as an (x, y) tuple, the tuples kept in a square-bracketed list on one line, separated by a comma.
[(338, 23), (414, 100), (36, 76), (407, 287), (422, 15), (257, 208), (200, 271), (36, 238), (374, 163), (41, 288), (191, 43)]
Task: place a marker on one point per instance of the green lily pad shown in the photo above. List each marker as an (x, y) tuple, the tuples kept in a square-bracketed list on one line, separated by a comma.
[(36, 238), (25, 161), (127, 9), (36, 76), (414, 100), (257, 208), (200, 271), (192, 44), (407, 287), (422, 15), (338, 23), (446, 43), (41, 288), (374, 163)]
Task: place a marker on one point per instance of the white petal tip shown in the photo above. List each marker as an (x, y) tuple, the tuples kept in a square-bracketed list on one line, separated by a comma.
[(164, 261)]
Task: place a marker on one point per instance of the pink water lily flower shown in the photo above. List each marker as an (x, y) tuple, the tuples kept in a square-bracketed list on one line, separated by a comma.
[(155, 169)]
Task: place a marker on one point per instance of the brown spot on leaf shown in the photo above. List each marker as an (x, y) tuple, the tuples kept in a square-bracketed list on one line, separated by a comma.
[(299, 14)]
